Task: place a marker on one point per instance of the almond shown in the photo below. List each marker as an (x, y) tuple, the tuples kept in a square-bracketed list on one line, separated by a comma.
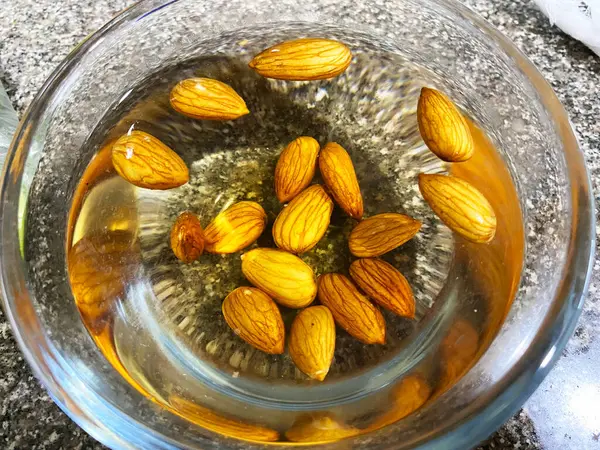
[(207, 418), (187, 237), (285, 277), (443, 128), (338, 172), (460, 206), (295, 168), (303, 59), (235, 228), (301, 224), (146, 162), (205, 98), (384, 284), (318, 428), (312, 341), (350, 309), (408, 395), (255, 318), (381, 233)]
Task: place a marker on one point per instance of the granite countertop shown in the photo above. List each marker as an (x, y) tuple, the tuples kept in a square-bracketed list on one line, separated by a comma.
[(35, 36)]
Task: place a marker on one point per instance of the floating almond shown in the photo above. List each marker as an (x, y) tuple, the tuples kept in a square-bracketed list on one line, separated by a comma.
[(381, 233), (384, 284), (460, 205), (255, 318), (146, 162), (205, 98), (318, 428), (285, 277), (350, 309), (295, 168), (235, 228), (303, 59), (443, 128), (303, 222), (187, 237), (338, 172), (312, 341)]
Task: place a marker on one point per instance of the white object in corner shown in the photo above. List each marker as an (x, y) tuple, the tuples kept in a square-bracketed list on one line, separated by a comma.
[(579, 18)]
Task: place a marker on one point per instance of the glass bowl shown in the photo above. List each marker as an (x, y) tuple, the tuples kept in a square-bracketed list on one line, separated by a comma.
[(491, 319)]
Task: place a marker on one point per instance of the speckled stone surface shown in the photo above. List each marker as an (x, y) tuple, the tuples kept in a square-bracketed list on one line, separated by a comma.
[(36, 36)]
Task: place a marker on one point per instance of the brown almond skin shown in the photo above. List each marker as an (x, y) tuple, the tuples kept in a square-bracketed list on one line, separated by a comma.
[(283, 276), (443, 127), (255, 318), (146, 162), (385, 285), (340, 177), (296, 167), (460, 206), (382, 233), (312, 341), (235, 228), (351, 310), (187, 237), (208, 99), (303, 59), (303, 222)]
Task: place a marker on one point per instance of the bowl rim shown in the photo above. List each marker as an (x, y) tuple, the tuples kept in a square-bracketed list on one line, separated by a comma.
[(514, 388)]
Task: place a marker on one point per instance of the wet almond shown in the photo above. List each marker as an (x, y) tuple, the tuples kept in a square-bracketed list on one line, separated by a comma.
[(187, 237), (283, 276), (312, 341), (208, 99), (235, 228), (146, 162), (381, 233), (295, 167), (303, 59), (303, 222), (338, 172), (385, 285), (443, 128), (460, 206), (351, 310), (255, 318)]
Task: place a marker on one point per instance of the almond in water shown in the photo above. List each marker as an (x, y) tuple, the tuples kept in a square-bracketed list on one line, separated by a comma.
[(460, 206), (235, 228), (382, 233), (303, 59), (351, 310), (187, 237), (283, 276), (443, 128), (385, 285), (303, 222), (146, 162), (255, 318), (295, 167), (338, 172), (312, 341), (205, 98)]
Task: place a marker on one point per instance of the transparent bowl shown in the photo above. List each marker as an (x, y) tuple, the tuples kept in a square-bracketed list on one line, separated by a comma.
[(533, 277)]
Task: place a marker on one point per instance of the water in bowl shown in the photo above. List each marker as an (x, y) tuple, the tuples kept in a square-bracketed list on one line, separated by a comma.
[(159, 321)]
